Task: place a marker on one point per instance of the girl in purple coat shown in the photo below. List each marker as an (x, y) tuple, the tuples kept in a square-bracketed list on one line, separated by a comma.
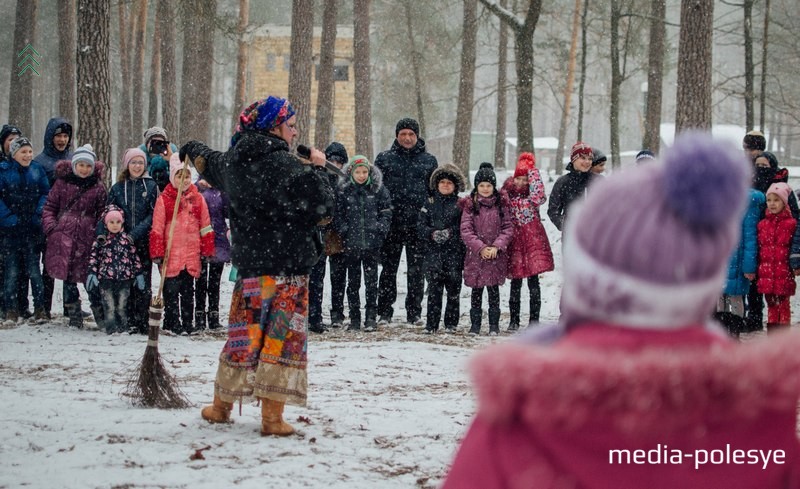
[(73, 207), (486, 229), (211, 268)]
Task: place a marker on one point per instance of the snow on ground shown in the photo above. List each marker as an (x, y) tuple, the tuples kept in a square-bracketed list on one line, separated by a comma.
[(385, 409)]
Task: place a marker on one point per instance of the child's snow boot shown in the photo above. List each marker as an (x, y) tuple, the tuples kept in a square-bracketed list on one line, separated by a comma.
[(200, 320), (213, 320), (218, 412), (494, 321), (272, 422), (475, 321), (75, 314), (513, 307)]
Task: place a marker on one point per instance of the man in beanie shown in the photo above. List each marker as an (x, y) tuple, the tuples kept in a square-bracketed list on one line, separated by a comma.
[(407, 168), (599, 160), (336, 153), (572, 185), (23, 191), (753, 144), (636, 368), (57, 147), (277, 201), (158, 150)]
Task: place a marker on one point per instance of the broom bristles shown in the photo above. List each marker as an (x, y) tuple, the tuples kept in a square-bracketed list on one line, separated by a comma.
[(151, 385)]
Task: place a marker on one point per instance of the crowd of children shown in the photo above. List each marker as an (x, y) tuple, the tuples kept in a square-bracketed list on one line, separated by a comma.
[(59, 210)]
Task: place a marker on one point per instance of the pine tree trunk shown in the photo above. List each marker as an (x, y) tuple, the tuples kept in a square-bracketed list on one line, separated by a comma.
[(749, 69), (361, 72), (300, 70), (165, 23), (124, 117), (417, 60), (198, 47), (66, 59), (94, 104), (616, 82), (241, 61), (582, 83), (573, 47), (155, 80), (325, 84), (502, 98), (466, 87), (655, 76), (762, 96), (20, 96), (694, 65), (137, 72)]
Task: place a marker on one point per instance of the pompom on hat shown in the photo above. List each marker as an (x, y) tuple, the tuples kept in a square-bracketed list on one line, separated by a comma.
[(525, 163), (656, 257), (262, 116)]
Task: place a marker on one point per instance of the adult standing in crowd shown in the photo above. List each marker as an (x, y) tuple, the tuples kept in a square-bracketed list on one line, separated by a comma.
[(158, 150), (57, 147), (135, 194), (276, 204), (336, 153), (407, 168)]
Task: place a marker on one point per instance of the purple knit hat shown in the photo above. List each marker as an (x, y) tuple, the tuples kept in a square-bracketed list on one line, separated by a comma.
[(654, 257)]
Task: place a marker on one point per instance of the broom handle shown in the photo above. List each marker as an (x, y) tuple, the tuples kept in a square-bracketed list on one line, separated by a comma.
[(171, 233)]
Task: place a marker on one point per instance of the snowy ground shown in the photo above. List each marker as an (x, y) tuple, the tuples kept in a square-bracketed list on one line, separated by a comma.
[(386, 409)]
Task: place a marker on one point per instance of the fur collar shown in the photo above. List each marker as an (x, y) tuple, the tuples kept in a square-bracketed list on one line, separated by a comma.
[(666, 387)]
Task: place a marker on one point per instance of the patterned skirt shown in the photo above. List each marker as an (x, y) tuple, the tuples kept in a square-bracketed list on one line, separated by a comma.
[(265, 355)]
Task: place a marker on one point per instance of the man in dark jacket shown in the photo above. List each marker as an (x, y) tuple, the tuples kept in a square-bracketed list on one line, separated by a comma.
[(276, 203), (407, 169), (57, 147), (572, 185)]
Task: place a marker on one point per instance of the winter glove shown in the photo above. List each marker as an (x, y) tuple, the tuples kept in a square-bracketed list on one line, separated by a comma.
[(441, 235), (101, 240), (91, 282), (140, 282)]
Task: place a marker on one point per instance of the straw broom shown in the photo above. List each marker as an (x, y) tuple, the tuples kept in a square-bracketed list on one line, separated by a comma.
[(152, 385)]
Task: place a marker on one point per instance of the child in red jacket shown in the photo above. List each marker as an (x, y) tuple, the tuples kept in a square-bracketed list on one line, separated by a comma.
[(192, 239), (775, 278)]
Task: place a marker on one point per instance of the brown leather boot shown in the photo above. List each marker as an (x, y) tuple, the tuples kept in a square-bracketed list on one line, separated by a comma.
[(219, 412), (272, 422)]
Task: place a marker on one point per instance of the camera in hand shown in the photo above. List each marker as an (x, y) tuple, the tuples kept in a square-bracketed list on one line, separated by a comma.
[(158, 146)]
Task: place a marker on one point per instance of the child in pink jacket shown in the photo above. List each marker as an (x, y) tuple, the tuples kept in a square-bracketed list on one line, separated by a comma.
[(193, 239)]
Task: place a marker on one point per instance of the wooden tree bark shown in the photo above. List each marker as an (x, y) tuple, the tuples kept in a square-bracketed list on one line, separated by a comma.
[(361, 72), (762, 96), (323, 129), (301, 66), (155, 80), (417, 59), (198, 47), (165, 23), (582, 82), (241, 61), (139, 15), (466, 87), (573, 47), (616, 81), (749, 70), (655, 76), (523, 49), (502, 98), (20, 96), (124, 124), (66, 59), (694, 65), (94, 102)]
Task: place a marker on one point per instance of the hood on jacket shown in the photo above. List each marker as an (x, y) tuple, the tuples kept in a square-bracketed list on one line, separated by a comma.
[(570, 386), (451, 172), (50, 132), (375, 181)]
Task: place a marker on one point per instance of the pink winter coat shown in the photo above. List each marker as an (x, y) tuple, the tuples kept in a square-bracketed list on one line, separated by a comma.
[(489, 227), (193, 236), (529, 253), (587, 412), (775, 233), (69, 220)]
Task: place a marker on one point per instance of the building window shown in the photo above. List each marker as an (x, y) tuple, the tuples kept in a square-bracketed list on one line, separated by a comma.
[(340, 72)]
